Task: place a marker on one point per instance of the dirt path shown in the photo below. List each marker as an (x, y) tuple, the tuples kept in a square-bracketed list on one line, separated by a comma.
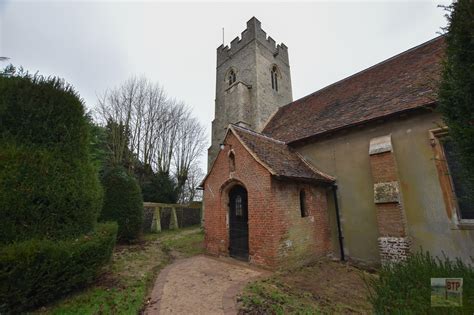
[(200, 285)]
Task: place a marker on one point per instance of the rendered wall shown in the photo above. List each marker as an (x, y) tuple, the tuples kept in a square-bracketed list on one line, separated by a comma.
[(345, 156)]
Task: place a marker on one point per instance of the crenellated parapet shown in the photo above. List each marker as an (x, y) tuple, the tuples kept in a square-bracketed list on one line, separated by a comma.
[(246, 88), (252, 32)]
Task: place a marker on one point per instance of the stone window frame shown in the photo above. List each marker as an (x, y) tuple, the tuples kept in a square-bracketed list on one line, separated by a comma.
[(275, 76), (227, 76), (446, 182)]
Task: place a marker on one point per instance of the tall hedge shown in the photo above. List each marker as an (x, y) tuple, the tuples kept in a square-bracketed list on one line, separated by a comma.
[(50, 194), (48, 186), (42, 196), (123, 203), (43, 112)]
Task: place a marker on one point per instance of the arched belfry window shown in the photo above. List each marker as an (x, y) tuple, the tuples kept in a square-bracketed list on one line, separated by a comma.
[(231, 77), (274, 76), (303, 209)]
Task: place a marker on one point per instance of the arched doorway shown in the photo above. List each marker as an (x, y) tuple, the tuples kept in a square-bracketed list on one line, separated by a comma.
[(238, 223)]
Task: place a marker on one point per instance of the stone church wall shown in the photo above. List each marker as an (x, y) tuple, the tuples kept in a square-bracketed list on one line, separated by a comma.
[(251, 98)]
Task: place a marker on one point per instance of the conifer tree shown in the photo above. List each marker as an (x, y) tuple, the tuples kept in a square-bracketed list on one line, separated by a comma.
[(456, 93)]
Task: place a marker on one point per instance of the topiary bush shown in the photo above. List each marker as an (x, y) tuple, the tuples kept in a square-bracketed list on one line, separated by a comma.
[(43, 112), (43, 196), (35, 272), (48, 186), (405, 288), (122, 203), (50, 194)]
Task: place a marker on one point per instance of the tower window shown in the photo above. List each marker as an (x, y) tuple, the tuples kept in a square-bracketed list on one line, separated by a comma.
[(232, 77), (274, 76), (303, 210)]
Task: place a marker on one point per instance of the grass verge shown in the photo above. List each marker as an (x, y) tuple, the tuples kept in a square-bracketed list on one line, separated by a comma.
[(325, 287), (273, 296), (183, 243)]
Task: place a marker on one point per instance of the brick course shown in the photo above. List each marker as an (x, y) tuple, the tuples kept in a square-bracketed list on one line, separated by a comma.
[(390, 220), (394, 243), (383, 167)]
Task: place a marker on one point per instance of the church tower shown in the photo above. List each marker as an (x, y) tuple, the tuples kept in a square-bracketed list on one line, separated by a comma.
[(252, 81)]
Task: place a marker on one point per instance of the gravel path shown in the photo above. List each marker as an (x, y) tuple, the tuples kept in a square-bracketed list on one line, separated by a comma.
[(200, 285)]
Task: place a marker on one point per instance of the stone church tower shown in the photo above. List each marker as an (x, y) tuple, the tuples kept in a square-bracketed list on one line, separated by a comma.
[(252, 81)]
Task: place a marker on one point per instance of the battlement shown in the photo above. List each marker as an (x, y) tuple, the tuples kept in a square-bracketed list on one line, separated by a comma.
[(252, 32)]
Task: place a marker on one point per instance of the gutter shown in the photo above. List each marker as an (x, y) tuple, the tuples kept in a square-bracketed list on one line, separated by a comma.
[(338, 220)]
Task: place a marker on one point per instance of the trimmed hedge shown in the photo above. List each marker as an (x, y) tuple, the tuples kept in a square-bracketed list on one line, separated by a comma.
[(35, 272), (43, 112), (43, 196), (405, 288), (49, 188), (123, 203), (50, 194)]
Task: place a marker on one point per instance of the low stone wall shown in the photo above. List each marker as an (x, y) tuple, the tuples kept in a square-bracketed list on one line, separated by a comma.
[(188, 216), (163, 216)]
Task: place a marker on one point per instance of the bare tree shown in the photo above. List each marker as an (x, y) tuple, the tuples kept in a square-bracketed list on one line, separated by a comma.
[(191, 143), (145, 124), (115, 111), (190, 192), (167, 135)]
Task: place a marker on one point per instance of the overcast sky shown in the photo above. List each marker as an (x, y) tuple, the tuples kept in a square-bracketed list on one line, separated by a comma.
[(96, 45)]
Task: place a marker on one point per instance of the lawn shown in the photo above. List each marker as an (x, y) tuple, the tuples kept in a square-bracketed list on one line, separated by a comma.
[(124, 284), (325, 287), (183, 243)]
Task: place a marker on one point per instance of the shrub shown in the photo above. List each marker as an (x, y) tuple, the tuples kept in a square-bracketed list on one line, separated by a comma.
[(35, 272), (42, 196), (123, 203), (48, 186), (405, 288), (43, 112), (159, 188)]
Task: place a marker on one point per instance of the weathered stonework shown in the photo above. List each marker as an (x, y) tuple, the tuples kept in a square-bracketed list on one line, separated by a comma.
[(380, 145), (251, 99), (394, 249), (386, 192)]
